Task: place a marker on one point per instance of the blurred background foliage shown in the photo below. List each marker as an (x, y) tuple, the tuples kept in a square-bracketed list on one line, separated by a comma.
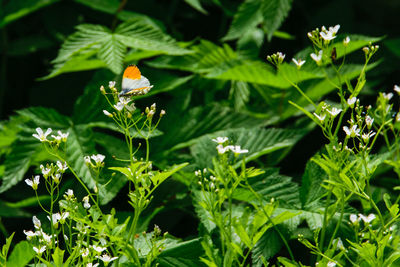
[(206, 60)]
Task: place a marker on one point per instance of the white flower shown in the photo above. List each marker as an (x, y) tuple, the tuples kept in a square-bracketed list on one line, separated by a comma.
[(221, 149), (98, 158), (369, 121), (84, 252), (36, 222), (63, 136), (92, 265), (40, 135), (367, 136), (353, 218), (56, 217), (29, 234), (321, 118), (367, 219), (108, 114), (327, 36), (331, 264), (69, 194), (86, 203), (123, 102), (33, 182), (98, 248), (317, 58), (63, 217), (45, 171), (387, 96), (162, 112), (299, 62), (346, 41), (352, 132), (62, 167), (220, 140), (396, 88), (56, 178), (111, 84), (238, 150), (334, 29), (351, 101), (39, 250), (338, 242), (334, 111), (106, 258), (86, 159)]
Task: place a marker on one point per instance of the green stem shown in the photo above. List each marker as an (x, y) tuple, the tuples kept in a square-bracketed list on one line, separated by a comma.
[(324, 225)]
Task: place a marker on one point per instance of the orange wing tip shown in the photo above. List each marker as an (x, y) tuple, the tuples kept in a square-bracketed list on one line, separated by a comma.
[(132, 72)]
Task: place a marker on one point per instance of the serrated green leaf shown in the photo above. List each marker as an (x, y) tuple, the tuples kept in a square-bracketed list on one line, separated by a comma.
[(311, 189), (4, 250), (80, 143), (267, 246), (270, 185), (257, 141), (204, 216), (247, 17), (200, 121), (274, 12), (240, 94), (18, 162), (45, 117), (85, 37), (138, 34), (112, 52)]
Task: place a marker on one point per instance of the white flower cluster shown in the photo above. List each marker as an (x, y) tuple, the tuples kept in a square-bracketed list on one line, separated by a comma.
[(223, 149), (354, 219), (42, 136), (95, 161)]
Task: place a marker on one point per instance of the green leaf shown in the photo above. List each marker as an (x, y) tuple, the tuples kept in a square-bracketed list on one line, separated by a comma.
[(18, 161), (86, 36), (45, 117), (17, 9), (270, 185), (58, 257), (112, 52), (160, 177), (311, 189), (247, 17), (196, 5), (80, 143), (256, 140), (204, 215), (267, 246), (5, 248), (21, 255), (274, 13), (138, 34), (200, 121), (240, 94)]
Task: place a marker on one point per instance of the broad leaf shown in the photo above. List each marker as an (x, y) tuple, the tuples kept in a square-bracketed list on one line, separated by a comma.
[(247, 17), (257, 141), (274, 12), (18, 161)]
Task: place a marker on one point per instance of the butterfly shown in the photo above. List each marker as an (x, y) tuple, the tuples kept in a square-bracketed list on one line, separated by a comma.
[(133, 83)]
